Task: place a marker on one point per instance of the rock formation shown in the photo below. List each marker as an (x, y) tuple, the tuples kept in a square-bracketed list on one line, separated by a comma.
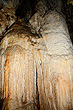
[(36, 62)]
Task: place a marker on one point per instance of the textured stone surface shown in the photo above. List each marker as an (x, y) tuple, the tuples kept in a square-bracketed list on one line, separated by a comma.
[(31, 64), (7, 18), (37, 72)]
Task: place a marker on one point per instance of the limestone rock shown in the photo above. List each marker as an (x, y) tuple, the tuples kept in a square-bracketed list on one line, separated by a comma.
[(7, 17), (37, 72)]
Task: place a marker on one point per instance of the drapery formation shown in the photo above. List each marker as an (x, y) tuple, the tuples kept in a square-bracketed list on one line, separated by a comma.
[(37, 71)]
